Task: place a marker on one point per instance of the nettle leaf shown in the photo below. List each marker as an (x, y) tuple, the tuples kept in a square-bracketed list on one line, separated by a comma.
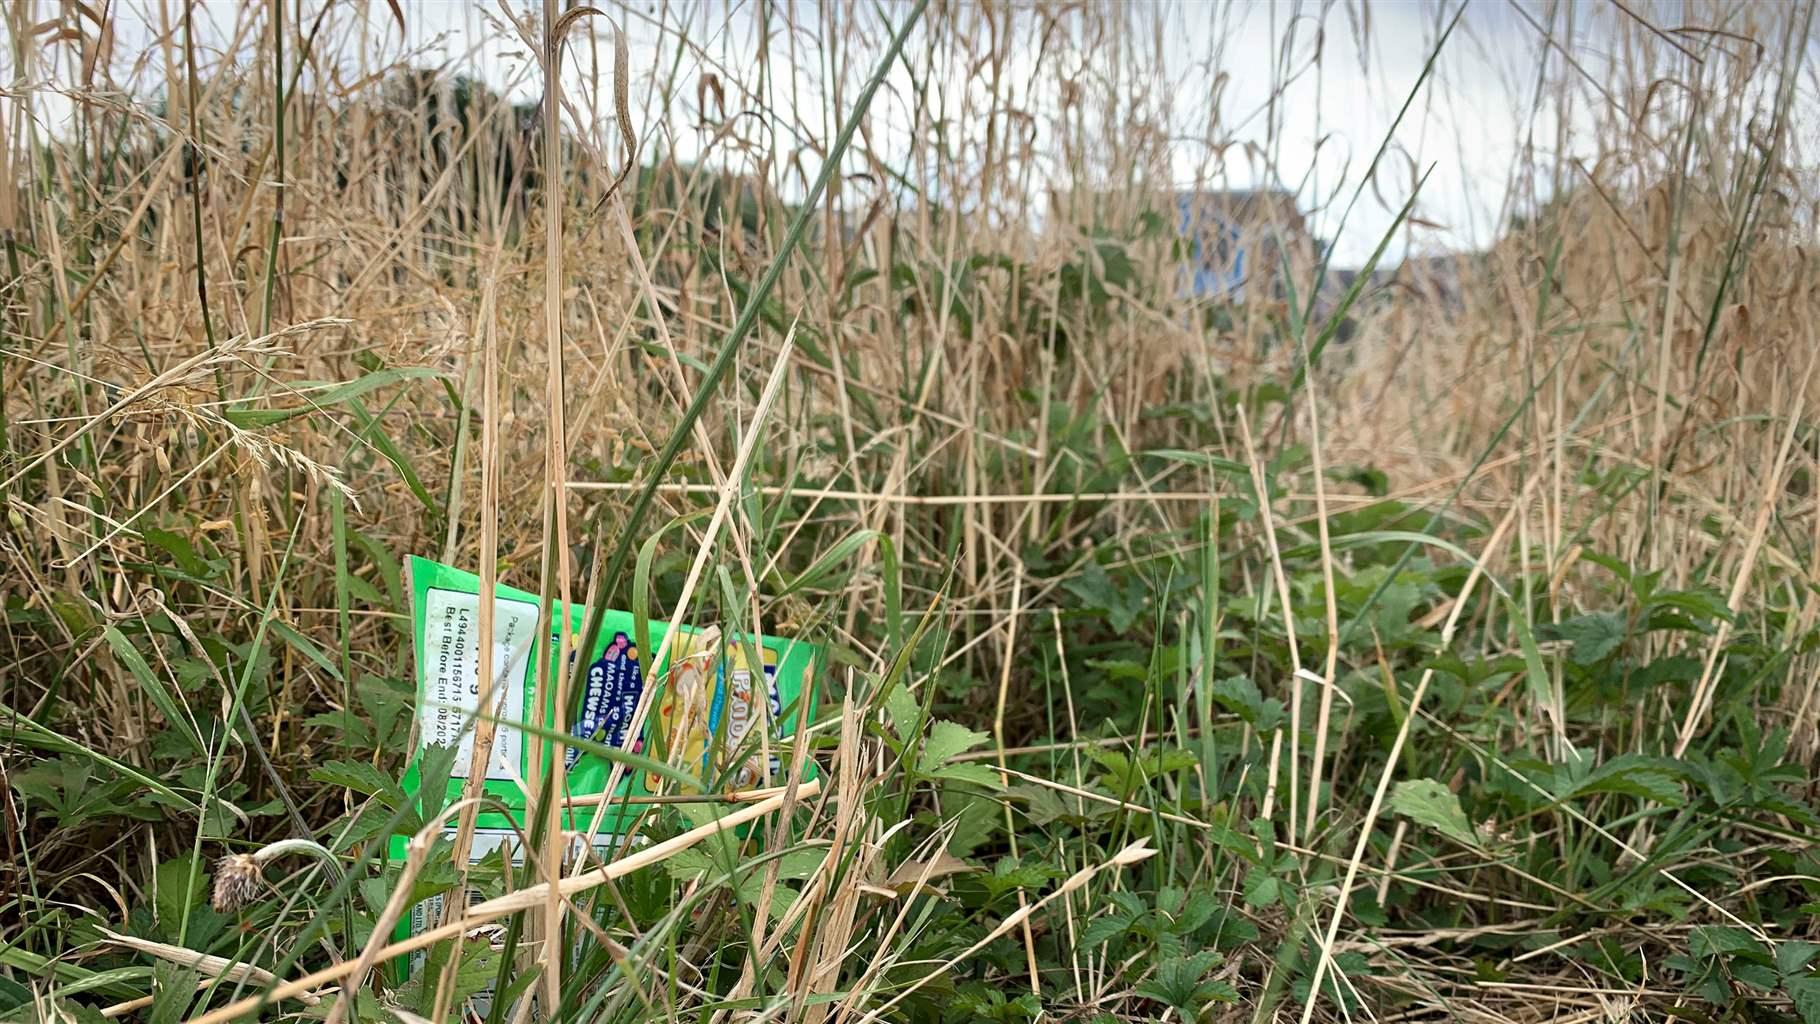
[(974, 825), (1261, 888), (903, 711), (175, 991), (1804, 991), (1793, 957), (1011, 873), (362, 778), (1104, 929), (1761, 977), (688, 865), (180, 885), (478, 969), (1098, 592), (1169, 899), (1723, 940), (1177, 983), (1649, 778), (971, 774), (1789, 807), (1163, 762), (1044, 806), (1427, 802), (1240, 696), (1676, 668), (1124, 774), (800, 865), (435, 767), (946, 741), (1706, 604), (1593, 636)]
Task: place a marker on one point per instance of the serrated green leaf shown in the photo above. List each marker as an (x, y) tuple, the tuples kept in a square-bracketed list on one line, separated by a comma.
[(179, 885), (1804, 992), (181, 551), (362, 778), (799, 865), (1240, 696), (1199, 909), (1431, 804), (475, 974), (1043, 805), (975, 825), (903, 712), (1648, 778), (688, 865), (1761, 977), (946, 740), (174, 989), (1593, 636), (434, 769), (1104, 929), (972, 774), (1722, 940), (1098, 592), (1261, 888), (1177, 983)]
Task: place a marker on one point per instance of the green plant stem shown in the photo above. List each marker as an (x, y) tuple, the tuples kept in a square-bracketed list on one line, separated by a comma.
[(723, 360)]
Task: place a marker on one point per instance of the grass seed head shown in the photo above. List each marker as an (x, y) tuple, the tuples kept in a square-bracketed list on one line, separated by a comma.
[(238, 879)]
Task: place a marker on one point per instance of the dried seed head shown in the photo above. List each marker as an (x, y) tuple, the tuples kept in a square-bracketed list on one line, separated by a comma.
[(237, 882)]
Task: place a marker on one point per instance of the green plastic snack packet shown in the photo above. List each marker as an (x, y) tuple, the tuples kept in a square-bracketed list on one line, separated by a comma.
[(701, 721)]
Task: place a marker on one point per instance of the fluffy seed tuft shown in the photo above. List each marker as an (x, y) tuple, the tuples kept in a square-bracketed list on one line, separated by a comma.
[(237, 882)]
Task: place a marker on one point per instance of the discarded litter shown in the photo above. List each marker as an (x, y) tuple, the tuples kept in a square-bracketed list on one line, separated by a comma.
[(720, 706)]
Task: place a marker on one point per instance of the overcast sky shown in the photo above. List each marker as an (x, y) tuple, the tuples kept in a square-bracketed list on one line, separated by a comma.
[(1466, 127), (1208, 71)]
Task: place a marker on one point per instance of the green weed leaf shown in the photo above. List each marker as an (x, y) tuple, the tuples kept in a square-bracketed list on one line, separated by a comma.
[(1793, 957), (972, 774), (176, 892), (1804, 991), (362, 778), (903, 712), (1431, 804), (1240, 696), (1593, 636), (1647, 778), (1722, 940), (174, 989), (181, 551), (946, 740)]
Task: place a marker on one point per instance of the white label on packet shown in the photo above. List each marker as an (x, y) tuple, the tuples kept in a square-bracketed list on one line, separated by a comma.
[(451, 671), (428, 913)]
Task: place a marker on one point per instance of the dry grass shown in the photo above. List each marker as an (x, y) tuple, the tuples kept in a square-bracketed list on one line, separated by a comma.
[(272, 317)]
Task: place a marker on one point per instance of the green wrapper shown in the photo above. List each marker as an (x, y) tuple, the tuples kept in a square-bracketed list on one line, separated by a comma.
[(704, 719)]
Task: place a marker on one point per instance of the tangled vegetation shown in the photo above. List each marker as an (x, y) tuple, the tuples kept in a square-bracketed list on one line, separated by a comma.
[(1186, 661)]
